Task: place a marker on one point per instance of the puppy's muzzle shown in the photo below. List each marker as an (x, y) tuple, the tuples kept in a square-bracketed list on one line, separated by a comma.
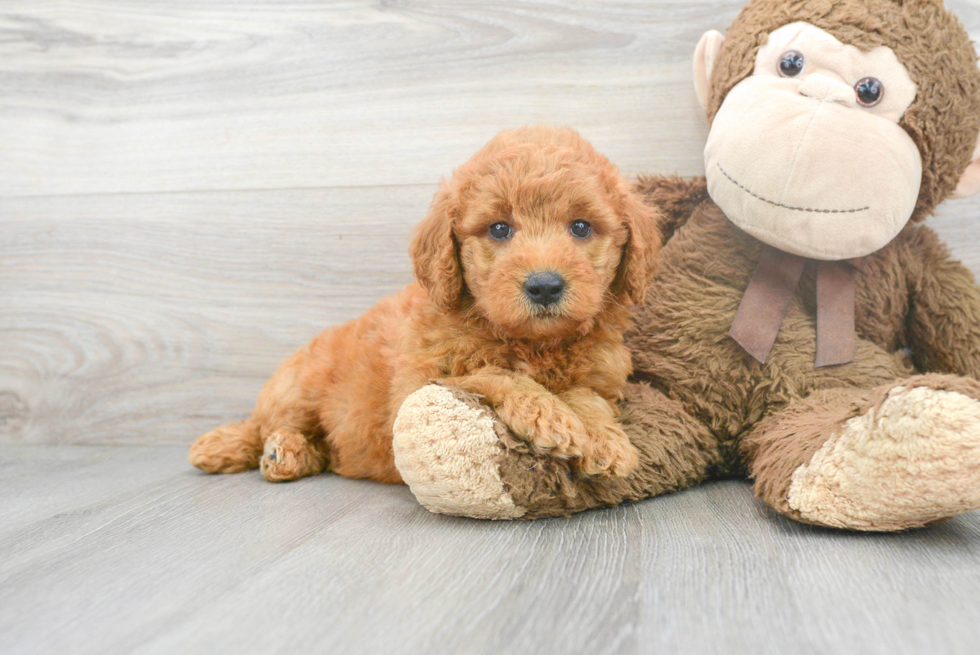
[(544, 288)]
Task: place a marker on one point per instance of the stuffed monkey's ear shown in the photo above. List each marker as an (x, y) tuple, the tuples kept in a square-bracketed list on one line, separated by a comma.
[(433, 250), (639, 260), (970, 180), (705, 56)]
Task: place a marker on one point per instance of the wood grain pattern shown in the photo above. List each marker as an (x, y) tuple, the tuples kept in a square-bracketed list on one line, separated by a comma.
[(185, 563), (191, 190), (133, 320), (120, 96)]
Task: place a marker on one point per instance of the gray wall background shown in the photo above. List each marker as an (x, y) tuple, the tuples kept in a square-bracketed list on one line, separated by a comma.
[(190, 190)]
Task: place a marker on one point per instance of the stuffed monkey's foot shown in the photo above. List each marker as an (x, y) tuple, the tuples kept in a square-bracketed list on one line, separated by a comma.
[(912, 460), (231, 448), (446, 450), (289, 456), (909, 457), (458, 458)]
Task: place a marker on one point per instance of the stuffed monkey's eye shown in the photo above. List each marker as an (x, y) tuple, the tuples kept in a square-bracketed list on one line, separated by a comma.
[(869, 91), (500, 231), (792, 64), (580, 229)]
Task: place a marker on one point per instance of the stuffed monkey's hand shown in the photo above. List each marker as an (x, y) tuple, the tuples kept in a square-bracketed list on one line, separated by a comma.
[(944, 321)]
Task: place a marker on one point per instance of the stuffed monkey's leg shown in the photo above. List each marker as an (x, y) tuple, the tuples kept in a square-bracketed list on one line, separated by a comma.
[(899, 456), (459, 459)]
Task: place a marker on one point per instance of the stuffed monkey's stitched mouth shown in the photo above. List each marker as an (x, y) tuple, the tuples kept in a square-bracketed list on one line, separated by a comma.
[(795, 209)]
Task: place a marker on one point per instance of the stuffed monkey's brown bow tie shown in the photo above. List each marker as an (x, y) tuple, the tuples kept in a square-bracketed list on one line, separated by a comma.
[(768, 296)]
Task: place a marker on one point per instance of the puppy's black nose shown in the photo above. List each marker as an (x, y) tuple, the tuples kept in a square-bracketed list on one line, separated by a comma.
[(544, 288)]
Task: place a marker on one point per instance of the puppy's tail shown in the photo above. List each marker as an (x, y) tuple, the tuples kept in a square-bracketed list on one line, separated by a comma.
[(232, 448)]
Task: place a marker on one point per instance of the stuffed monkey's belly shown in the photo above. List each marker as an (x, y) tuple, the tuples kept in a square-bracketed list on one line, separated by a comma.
[(680, 343)]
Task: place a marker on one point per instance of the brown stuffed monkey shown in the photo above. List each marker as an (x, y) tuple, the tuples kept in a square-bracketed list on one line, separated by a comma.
[(806, 329)]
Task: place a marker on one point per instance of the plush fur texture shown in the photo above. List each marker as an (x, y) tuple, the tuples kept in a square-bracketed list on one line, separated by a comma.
[(699, 406), (553, 372), (676, 452), (454, 470), (948, 85), (912, 459)]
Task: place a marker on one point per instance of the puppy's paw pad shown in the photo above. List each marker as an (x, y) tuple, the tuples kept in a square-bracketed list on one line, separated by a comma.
[(282, 457)]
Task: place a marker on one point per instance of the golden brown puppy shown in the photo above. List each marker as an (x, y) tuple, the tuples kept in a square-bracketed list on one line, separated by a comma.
[(527, 264)]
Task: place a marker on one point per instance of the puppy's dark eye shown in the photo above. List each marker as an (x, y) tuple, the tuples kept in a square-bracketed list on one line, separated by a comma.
[(580, 229), (500, 231), (792, 64), (869, 91)]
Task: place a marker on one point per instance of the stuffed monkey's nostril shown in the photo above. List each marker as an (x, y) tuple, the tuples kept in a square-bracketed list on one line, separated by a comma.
[(822, 87)]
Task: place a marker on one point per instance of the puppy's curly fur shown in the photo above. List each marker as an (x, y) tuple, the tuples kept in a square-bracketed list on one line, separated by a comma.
[(552, 371)]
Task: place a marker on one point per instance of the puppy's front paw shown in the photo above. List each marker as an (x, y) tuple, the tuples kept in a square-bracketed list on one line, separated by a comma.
[(547, 423), (609, 452), (562, 434)]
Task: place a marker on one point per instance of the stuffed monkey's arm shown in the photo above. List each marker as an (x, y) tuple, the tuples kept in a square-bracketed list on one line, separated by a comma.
[(458, 459), (944, 309), (675, 197)]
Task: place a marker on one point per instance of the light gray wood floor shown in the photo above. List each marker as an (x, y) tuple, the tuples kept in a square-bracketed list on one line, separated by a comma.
[(125, 550), (190, 190)]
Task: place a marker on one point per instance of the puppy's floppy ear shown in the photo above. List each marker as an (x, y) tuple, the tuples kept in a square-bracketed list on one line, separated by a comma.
[(639, 259), (433, 250)]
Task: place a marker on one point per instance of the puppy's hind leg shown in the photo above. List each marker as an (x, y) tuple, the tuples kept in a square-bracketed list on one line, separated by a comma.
[(291, 436), (286, 454), (232, 448), (283, 437), (289, 455)]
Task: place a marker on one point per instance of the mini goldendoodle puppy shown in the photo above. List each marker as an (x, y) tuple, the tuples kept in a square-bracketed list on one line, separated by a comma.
[(527, 263)]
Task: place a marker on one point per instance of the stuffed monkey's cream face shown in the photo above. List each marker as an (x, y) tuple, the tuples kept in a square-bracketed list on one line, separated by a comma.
[(806, 156)]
